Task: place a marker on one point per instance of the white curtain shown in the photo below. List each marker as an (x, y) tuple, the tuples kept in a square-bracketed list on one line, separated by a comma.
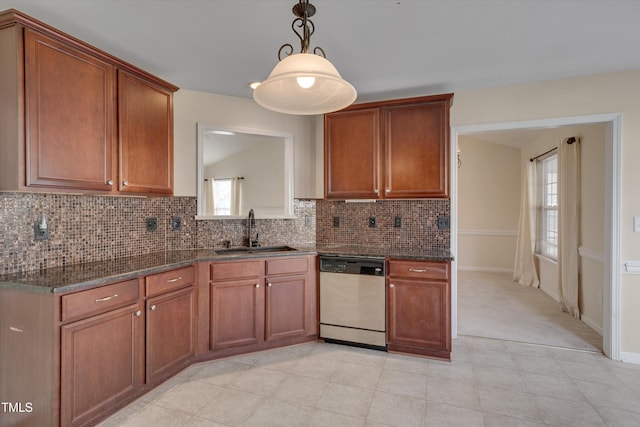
[(208, 204), (236, 196), (569, 223), (524, 270)]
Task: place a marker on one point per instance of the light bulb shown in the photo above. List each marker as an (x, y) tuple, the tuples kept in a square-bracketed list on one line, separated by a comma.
[(305, 82)]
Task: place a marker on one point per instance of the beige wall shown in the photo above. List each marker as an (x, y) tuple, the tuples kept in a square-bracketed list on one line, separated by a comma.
[(488, 204), (609, 93), (191, 107)]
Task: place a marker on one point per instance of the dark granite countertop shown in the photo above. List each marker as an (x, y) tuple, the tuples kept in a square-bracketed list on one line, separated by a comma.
[(58, 280), (384, 252)]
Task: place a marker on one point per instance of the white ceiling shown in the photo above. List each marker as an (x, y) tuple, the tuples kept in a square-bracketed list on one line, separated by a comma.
[(385, 48)]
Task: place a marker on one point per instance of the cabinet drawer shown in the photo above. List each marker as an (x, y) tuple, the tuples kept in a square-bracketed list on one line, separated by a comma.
[(419, 269), (93, 301), (236, 270), (162, 282), (287, 265)]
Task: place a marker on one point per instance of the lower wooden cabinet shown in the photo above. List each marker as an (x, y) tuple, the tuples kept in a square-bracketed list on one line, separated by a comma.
[(258, 302), (80, 356), (419, 308), (170, 333), (286, 307), (237, 313), (102, 363)]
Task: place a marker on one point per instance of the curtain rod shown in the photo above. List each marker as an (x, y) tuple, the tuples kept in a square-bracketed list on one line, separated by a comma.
[(570, 141), (231, 177), (540, 155)]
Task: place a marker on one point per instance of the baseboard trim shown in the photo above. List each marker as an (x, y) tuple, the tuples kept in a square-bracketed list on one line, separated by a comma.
[(630, 357), (485, 269), (591, 324), (552, 295)]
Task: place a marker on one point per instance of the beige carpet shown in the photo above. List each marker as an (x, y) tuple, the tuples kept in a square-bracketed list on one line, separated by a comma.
[(492, 305)]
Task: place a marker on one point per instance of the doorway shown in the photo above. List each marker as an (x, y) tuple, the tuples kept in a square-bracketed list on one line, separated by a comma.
[(611, 269)]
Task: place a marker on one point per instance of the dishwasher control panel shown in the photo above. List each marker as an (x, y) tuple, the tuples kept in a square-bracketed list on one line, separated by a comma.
[(364, 266)]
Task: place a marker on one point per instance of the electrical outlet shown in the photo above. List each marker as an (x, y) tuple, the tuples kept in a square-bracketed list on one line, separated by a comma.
[(397, 222), (40, 233), (176, 223), (307, 221), (152, 224), (336, 221), (443, 222), (372, 221)]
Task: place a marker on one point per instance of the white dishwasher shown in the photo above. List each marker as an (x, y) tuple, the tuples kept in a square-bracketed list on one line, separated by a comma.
[(352, 301)]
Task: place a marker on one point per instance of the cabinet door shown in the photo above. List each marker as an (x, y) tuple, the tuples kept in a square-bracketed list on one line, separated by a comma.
[(102, 363), (237, 313), (418, 316), (146, 136), (286, 307), (417, 150), (70, 118), (170, 332), (352, 154)]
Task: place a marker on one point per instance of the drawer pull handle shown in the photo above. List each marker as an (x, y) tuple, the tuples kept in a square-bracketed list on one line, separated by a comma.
[(153, 307), (391, 285), (106, 298), (174, 280), (14, 329), (138, 313), (418, 270)]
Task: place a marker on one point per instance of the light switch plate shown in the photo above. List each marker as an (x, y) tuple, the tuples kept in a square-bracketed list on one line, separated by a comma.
[(636, 224)]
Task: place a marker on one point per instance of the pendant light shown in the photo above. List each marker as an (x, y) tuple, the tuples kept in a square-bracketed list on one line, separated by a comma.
[(304, 83)]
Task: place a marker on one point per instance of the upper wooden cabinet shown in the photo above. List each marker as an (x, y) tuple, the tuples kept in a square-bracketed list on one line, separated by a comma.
[(145, 135), (77, 119), (389, 150)]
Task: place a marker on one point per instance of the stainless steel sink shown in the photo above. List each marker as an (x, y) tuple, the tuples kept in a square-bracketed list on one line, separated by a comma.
[(254, 250)]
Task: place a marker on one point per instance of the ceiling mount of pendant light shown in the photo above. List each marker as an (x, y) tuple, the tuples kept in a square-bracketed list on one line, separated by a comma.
[(304, 83)]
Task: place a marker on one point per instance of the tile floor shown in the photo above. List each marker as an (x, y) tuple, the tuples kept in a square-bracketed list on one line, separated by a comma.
[(489, 383)]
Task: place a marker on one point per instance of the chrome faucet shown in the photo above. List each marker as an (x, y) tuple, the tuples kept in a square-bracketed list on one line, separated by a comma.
[(250, 220)]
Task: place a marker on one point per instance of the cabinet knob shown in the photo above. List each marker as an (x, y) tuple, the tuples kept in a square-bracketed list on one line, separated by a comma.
[(391, 285), (138, 313), (269, 284), (153, 307), (387, 190), (257, 285), (110, 182), (125, 183), (376, 191)]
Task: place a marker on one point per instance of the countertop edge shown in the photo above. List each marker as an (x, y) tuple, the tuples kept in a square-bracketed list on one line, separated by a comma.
[(193, 257)]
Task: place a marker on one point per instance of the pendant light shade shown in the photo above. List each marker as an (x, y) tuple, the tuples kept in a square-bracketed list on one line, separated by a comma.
[(304, 83)]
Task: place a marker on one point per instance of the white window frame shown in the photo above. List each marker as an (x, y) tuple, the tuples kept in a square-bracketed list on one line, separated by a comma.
[(547, 239)]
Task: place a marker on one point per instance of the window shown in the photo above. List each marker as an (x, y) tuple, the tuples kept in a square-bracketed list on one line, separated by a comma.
[(222, 196), (548, 222)]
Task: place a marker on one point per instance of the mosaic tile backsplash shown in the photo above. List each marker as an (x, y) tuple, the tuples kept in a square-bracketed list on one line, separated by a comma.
[(86, 228), (90, 228), (418, 223)]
